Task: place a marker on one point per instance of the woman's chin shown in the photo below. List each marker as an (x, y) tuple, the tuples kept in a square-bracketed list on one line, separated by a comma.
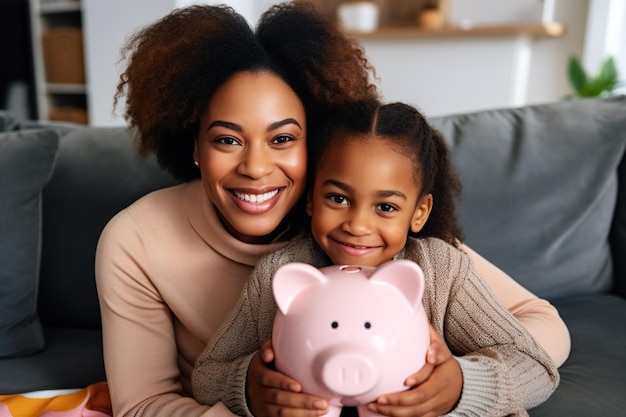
[(255, 231)]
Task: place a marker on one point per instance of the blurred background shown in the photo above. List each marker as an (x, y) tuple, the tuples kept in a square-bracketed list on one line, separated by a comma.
[(61, 57)]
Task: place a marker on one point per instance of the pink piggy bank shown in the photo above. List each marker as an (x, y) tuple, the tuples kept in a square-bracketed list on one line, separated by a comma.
[(350, 333)]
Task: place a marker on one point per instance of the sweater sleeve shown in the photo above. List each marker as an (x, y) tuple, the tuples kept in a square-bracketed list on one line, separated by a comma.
[(504, 370), (540, 318), (221, 370), (140, 355)]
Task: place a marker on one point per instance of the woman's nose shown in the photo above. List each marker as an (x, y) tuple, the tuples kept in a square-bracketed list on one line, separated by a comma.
[(256, 163)]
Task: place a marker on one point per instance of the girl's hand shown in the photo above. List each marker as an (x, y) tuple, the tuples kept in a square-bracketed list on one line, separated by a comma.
[(435, 389), (271, 393)]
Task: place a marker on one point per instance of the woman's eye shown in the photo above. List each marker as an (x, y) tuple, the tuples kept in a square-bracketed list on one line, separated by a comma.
[(386, 207), (338, 199), (282, 139), (227, 140)]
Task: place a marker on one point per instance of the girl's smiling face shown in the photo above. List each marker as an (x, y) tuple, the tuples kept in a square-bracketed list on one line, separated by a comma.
[(364, 201), (251, 151)]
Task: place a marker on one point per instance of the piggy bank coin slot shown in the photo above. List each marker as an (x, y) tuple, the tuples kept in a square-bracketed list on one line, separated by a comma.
[(351, 269)]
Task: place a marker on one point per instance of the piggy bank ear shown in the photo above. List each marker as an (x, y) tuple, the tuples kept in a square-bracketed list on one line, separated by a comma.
[(406, 276), (291, 279)]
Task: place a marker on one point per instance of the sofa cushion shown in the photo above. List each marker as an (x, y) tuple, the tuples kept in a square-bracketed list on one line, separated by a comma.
[(592, 379), (72, 359), (26, 162), (549, 175), (97, 174)]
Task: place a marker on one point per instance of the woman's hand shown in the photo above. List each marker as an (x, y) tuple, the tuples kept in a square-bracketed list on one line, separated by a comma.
[(273, 394), (434, 390)]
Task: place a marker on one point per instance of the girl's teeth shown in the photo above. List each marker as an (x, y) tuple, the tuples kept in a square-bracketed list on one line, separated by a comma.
[(356, 247), (255, 198)]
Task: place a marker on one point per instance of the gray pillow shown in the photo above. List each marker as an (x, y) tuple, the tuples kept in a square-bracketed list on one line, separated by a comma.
[(26, 162), (540, 188), (7, 122)]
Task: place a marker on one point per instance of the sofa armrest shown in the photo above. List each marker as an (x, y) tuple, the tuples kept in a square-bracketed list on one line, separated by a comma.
[(618, 234)]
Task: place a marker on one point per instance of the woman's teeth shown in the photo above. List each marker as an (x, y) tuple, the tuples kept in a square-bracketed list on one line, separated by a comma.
[(255, 198)]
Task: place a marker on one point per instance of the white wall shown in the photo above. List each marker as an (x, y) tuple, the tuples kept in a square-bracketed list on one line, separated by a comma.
[(491, 12), (548, 71), (440, 76), (606, 32), (453, 75), (106, 26), (247, 8)]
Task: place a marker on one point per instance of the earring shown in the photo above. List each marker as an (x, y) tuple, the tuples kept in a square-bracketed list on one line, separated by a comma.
[(197, 163)]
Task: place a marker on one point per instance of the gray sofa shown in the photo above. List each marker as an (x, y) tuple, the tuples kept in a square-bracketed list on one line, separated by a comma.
[(544, 198)]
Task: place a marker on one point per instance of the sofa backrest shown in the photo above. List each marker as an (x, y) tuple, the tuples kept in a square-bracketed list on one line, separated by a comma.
[(97, 173), (540, 188)]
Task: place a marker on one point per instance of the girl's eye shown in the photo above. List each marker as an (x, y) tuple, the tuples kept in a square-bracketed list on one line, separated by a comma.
[(386, 207), (227, 140), (282, 139), (338, 199)]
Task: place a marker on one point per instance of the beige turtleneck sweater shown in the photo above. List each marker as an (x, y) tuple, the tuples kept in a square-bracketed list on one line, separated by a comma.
[(167, 274)]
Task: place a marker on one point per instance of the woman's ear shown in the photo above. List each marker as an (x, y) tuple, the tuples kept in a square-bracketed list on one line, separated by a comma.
[(309, 203), (422, 211)]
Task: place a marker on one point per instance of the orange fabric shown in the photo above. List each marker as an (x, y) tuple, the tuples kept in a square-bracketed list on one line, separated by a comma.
[(91, 401)]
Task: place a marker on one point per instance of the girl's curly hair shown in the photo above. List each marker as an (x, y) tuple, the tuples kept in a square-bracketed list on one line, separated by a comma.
[(175, 65)]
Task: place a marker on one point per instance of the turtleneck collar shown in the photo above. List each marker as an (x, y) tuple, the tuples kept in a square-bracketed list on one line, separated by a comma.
[(204, 220)]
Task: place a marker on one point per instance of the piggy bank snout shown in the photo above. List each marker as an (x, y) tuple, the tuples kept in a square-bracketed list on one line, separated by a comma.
[(347, 371)]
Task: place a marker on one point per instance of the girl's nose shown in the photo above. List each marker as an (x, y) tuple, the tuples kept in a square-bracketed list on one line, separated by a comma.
[(358, 222), (256, 162)]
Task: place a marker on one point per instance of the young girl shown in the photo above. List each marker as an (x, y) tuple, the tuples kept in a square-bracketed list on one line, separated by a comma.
[(382, 170)]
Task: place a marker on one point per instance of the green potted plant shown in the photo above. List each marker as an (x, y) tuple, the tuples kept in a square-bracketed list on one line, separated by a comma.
[(601, 84)]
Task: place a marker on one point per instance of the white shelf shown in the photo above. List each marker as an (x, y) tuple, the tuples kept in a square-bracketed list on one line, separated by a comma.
[(527, 29), (59, 7), (62, 88)]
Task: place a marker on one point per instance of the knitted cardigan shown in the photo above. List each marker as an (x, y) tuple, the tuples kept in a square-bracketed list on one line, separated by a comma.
[(504, 370)]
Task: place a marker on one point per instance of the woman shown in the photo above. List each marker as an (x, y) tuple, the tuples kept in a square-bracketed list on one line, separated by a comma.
[(226, 110)]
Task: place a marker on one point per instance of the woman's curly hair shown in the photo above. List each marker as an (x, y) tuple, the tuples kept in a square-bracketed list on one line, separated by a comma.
[(409, 132), (175, 65)]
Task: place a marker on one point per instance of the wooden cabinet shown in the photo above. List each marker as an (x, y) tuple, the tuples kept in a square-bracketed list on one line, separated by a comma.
[(58, 56)]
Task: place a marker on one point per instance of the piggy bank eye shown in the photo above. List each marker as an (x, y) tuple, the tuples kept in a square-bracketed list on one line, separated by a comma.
[(334, 324), (367, 325)]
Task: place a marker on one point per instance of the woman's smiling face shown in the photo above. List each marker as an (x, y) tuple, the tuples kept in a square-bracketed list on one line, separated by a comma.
[(251, 151)]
